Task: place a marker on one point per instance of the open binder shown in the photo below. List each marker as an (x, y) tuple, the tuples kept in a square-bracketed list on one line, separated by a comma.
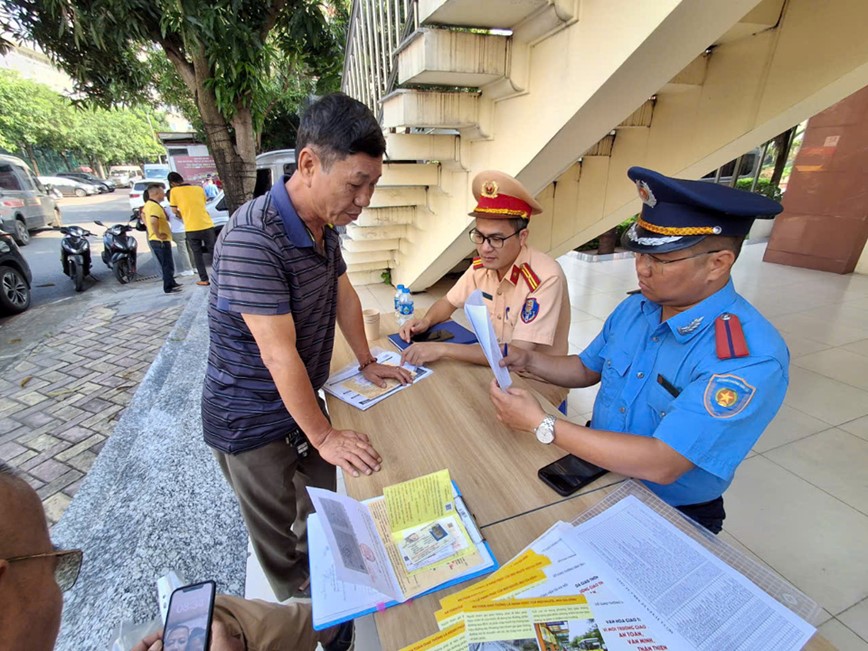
[(356, 568)]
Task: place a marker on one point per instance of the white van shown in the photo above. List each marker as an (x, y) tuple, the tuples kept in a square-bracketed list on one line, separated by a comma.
[(24, 202), (125, 175)]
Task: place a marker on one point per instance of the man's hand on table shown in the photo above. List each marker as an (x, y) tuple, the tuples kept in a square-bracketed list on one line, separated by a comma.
[(516, 408), (413, 327), (418, 354), (220, 640), (379, 373), (350, 450)]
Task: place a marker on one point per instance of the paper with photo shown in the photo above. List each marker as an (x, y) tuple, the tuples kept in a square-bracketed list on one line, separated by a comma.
[(418, 501), (351, 532), (480, 321), (351, 386)]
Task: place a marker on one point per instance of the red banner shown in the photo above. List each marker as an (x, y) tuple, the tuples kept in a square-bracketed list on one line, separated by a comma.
[(194, 169)]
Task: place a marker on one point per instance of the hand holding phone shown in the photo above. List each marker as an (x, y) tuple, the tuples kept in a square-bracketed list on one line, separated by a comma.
[(570, 473), (188, 624)]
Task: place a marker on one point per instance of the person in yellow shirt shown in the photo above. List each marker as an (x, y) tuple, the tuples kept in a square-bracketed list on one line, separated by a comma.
[(160, 234), (188, 202)]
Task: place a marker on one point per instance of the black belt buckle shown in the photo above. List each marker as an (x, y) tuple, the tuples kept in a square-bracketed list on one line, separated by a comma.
[(298, 440)]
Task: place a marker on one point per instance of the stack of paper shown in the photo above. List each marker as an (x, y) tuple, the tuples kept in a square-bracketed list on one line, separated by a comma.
[(477, 314), (351, 386), (625, 579), (415, 539)]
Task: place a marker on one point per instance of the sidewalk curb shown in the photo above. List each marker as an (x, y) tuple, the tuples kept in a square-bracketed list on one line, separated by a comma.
[(154, 500)]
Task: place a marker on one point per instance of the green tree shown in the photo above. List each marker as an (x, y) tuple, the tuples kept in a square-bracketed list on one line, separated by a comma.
[(33, 115), (227, 54)]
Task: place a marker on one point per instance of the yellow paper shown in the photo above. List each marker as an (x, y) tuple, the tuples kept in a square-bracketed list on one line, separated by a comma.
[(418, 501), (515, 619), (504, 587), (415, 583), (529, 560), (450, 639)]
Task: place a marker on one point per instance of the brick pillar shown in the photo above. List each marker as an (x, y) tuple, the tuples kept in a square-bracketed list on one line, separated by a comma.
[(824, 225)]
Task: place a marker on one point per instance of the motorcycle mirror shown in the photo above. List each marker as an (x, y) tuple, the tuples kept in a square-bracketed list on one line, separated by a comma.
[(64, 230), (98, 222)]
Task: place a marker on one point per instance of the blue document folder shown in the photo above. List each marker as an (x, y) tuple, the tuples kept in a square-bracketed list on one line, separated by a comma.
[(335, 601), (460, 335)]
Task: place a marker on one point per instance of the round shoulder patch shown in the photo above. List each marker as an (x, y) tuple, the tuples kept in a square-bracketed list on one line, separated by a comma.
[(727, 395)]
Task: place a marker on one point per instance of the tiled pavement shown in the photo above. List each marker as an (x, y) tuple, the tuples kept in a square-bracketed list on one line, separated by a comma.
[(60, 402)]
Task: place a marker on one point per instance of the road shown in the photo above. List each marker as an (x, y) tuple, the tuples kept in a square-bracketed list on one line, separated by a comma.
[(55, 303)]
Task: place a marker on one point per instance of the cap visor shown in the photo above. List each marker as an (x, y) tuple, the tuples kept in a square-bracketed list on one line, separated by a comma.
[(640, 240)]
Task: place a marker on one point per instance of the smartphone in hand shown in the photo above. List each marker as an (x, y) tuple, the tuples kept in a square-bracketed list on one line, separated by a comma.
[(188, 623), (570, 473)]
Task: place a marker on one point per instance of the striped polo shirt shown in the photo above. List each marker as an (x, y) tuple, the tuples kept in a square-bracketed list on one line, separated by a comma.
[(265, 262)]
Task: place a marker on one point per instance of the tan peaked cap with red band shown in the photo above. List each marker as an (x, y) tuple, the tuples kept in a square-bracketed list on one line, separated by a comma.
[(499, 196)]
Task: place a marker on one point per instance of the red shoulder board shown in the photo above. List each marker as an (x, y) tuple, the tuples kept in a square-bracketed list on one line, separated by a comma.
[(477, 263), (729, 337), (513, 276), (530, 277)]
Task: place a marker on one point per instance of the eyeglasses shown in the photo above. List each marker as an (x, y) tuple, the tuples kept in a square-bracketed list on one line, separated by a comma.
[(496, 241), (67, 568), (654, 260)]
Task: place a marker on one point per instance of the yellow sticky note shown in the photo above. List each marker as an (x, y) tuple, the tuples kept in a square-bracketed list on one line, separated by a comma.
[(418, 501)]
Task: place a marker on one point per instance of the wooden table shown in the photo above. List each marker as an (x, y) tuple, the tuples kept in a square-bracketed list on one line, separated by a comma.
[(447, 421)]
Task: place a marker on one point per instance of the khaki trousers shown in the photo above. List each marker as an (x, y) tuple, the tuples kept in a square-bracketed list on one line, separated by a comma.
[(269, 483), (264, 626)]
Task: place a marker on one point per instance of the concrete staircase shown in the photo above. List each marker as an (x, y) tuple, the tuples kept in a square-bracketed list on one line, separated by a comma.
[(566, 95)]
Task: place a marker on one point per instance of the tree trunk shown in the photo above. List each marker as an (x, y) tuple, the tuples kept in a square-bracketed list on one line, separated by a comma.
[(100, 170), (33, 164), (65, 157), (235, 158), (608, 241), (782, 142)]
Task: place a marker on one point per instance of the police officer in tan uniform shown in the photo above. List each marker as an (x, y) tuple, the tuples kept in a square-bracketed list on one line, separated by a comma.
[(525, 290)]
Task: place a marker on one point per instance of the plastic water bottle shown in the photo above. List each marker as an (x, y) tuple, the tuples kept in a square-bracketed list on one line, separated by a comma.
[(397, 298), (405, 306)]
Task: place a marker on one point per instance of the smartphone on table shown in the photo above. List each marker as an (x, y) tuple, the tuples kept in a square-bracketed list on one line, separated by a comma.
[(432, 336), (570, 473), (188, 623)]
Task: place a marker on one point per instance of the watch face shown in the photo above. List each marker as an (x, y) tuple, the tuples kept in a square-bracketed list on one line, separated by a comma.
[(545, 433)]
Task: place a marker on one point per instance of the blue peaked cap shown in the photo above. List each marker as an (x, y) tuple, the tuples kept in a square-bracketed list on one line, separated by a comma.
[(677, 213)]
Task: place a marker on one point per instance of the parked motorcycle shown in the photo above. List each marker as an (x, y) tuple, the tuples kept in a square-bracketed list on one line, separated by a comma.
[(119, 251), (75, 254)]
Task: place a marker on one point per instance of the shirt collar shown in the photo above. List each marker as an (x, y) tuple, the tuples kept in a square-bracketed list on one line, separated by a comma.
[(515, 273), (295, 229), (688, 324)]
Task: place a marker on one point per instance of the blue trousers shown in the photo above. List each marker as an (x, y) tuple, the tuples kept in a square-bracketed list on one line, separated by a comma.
[(163, 253)]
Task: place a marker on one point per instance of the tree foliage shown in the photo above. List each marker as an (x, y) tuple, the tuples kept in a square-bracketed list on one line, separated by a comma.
[(235, 61), (34, 116)]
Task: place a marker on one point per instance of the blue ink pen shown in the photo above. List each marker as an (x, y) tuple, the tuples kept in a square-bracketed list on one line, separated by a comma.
[(505, 345)]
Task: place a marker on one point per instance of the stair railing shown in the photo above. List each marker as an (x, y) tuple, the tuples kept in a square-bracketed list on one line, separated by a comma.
[(376, 29)]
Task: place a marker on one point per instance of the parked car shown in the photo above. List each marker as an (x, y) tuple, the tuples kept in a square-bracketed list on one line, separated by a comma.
[(69, 187), (125, 175), (25, 205), (217, 210), (103, 185), (137, 199), (15, 277)]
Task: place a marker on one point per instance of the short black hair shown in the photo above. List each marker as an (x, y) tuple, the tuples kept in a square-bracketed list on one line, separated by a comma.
[(518, 223), (174, 177), (6, 470), (338, 126)]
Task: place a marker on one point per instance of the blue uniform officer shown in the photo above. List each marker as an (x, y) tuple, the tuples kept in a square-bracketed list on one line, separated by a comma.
[(691, 373)]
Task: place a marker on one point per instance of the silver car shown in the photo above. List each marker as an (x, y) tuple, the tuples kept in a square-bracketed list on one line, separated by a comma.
[(24, 202), (69, 187)]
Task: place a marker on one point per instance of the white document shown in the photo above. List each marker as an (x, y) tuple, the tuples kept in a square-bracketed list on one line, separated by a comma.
[(480, 321), (623, 622), (350, 385), (705, 603), (350, 530)]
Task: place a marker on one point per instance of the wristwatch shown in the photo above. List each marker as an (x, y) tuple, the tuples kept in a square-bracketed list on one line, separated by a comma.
[(545, 432)]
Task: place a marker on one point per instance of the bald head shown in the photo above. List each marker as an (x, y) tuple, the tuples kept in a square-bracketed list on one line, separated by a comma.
[(30, 600)]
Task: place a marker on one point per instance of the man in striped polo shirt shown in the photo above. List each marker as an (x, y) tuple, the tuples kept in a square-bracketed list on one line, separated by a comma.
[(279, 285)]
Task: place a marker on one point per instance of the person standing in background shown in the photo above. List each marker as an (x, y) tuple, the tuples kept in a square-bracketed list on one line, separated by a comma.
[(179, 237), (159, 234), (188, 201), (211, 190)]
